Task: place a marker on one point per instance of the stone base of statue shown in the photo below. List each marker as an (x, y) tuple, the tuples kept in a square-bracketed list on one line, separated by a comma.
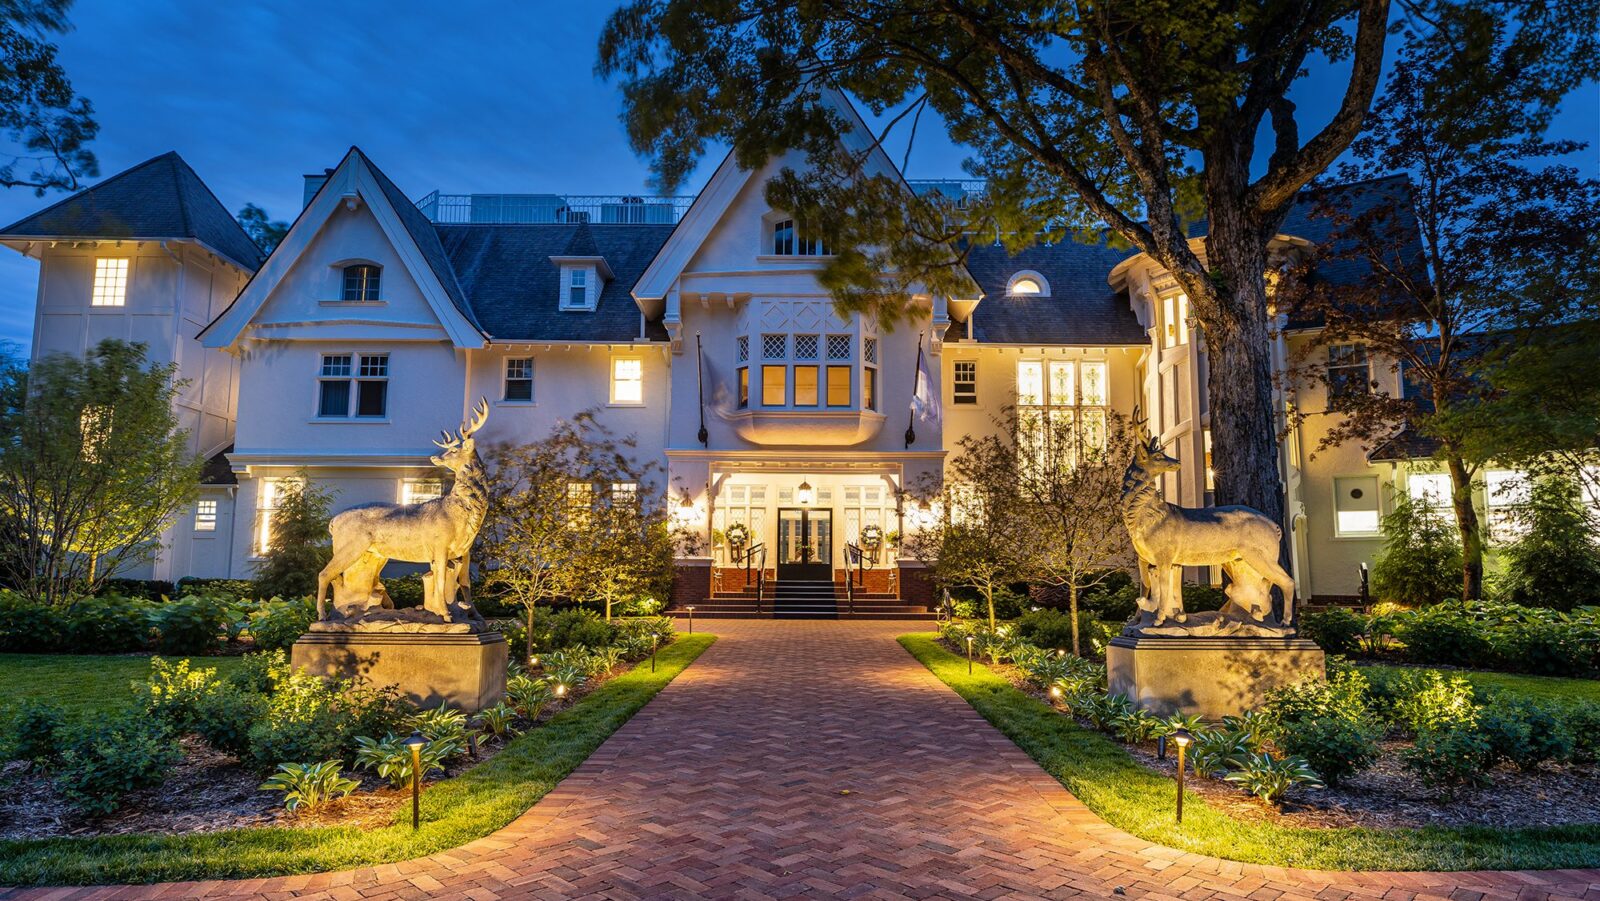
[(1212, 676), (466, 670)]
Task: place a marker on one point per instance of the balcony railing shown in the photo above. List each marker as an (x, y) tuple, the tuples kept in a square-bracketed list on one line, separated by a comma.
[(530, 209)]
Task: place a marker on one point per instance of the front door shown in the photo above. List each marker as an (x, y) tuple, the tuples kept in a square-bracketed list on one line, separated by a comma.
[(805, 544)]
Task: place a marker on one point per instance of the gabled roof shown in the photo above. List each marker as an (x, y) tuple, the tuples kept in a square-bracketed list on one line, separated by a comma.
[(1082, 309), (159, 199), (515, 289), (422, 232)]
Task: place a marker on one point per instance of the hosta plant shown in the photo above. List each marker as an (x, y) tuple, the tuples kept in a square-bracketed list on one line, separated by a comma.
[(308, 786), (1103, 710), (1268, 777), (442, 724), (1135, 726), (1255, 726), (391, 758), (565, 679), (500, 720), (530, 695), (1190, 723), (1215, 751)]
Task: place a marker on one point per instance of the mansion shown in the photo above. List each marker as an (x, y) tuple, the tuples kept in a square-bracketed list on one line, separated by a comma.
[(695, 325)]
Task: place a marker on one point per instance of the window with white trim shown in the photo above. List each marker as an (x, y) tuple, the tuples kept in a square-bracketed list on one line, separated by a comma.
[(110, 283), (1431, 490), (1505, 490), (1061, 409), (624, 494), (1174, 320), (576, 295), (1356, 508), (1349, 370), (627, 380), (268, 494), (867, 505), (361, 378), (362, 281), (789, 240), (745, 505), (420, 491), (519, 380), (1028, 284), (580, 504), (205, 516), (965, 382)]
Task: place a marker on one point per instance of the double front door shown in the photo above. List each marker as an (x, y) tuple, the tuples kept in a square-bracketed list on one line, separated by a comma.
[(805, 543)]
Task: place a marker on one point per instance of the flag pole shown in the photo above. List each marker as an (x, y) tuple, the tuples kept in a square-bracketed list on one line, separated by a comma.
[(700, 389), (911, 414)]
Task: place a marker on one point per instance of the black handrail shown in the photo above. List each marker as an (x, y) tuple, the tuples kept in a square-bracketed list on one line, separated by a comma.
[(853, 558), (749, 555)]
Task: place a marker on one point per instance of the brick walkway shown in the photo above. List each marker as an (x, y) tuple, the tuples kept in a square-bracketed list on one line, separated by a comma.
[(818, 759)]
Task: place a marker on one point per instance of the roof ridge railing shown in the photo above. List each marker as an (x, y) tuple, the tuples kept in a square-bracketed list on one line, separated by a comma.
[(553, 209)]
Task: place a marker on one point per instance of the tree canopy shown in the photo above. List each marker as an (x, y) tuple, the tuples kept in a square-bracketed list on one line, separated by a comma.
[(48, 124)]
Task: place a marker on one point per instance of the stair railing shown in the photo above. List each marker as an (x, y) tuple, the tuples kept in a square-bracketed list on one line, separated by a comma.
[(761, 575), (853, 558)]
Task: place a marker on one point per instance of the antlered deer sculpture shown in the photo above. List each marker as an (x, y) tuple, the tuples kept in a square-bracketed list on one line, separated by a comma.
[(439, 532)]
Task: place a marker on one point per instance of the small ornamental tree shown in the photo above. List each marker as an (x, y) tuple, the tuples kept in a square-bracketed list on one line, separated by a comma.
[(1421, 558), (624, 548), (93, 468), (1553, 561), (299, 545)]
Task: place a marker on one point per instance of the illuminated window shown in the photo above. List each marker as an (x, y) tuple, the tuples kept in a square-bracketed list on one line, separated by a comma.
[(869, 388), (1505, 490), (1063, 403), (744, 505), (418, 491), (580, 504), (774, 387), (1174, 320), (624, 494), (267, 498), (519, 379), (1028, 284), (1211, 474), (838, 386), (205, 516), (1093, 385), (1030, 383), (110, 283), (361, 282), (627, 380), (744, 387), (1430, 489), (966, 382), (1355, 506), (1349, 373), (805, 386), (1063, 383)]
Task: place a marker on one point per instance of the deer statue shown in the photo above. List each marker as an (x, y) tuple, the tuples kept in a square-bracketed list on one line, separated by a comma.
[(1168, 537), (439, 533)]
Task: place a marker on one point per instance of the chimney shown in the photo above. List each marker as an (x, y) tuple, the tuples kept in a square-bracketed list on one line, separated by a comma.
[(314, 184)]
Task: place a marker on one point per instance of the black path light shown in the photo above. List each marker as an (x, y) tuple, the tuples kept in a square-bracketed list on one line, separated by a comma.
[(655, 642), (416, 743), (691, 618), (1181, 738), (969, 654)]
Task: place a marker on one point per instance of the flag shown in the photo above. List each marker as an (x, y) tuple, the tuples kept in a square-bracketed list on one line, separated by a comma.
[(925, 400)]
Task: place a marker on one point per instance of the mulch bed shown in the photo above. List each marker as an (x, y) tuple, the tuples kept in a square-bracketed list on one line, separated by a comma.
[(1387, 795), (210, 791)]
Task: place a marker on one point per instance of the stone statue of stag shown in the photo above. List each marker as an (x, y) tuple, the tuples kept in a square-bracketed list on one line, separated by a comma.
[(439, 532), (1168, 537)]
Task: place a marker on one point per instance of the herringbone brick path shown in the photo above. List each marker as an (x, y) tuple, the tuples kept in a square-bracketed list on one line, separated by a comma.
[(818, 759)]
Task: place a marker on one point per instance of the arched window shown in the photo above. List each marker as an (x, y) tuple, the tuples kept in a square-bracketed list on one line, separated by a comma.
[(361, 281), (1028, 284)]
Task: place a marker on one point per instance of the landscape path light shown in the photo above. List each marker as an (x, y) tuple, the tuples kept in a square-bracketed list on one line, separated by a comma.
[(655, 642), (690, 608), (1181, 738), (969, 655), (416, 743)]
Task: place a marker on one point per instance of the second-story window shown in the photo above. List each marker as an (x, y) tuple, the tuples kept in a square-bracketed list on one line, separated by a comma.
[(790, 240), (361, 281), (627, 380), (1174, 320), (966, 382), (519, 380), (1349, 373), (869, 374), (110, 283), (1061, 409), (361, 378), (205, 516)]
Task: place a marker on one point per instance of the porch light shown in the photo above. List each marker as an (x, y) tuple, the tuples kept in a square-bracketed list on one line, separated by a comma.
[(803, 493)]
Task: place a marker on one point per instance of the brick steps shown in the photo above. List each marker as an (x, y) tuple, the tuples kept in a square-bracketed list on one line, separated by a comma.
[(819, 599)]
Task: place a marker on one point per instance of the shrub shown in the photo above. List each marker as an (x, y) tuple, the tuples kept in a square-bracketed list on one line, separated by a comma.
[(1429, 701), (1343, 694), (224, 715), (236, 590), (173, 692), (1554, 561), (1420, 562), (279, 622), (405, 591), (1444, 635), (391, 759), (1337, 747), (110, 624), (261, 673), (140, 589), (29, 628), (1545, 648), (372, 710), (300, 545), (190, 625), (1523, 733), (309, 785), (571, 628), (1450, 757), (1269, 778), (1582, 722), (1114, 600), (1201, 598), (1046, 628), (102, 761), (34, 731), (303, 722), (1336, 631)]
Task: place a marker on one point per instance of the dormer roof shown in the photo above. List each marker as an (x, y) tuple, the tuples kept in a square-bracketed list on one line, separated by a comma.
[(161, 199)]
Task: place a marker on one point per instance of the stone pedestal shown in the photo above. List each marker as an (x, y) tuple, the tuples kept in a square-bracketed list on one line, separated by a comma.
[(1212, 677), (467, 671)]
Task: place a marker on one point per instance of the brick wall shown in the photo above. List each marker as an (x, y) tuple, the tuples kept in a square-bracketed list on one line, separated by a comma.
[(873, 581), (917, 588), (691, 582)]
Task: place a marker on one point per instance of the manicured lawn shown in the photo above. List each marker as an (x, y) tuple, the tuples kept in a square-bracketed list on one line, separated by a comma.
[(87, 683), (1102, 775), (454, 812), (1552, 689)]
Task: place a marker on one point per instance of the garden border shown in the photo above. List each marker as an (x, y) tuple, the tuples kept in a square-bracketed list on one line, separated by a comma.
[(454, 812), (1129, 797)]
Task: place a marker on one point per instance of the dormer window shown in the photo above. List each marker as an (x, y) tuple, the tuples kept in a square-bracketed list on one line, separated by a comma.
[(1028, 284), (361, 282), (787, 240), (577, 290), (582, 280)]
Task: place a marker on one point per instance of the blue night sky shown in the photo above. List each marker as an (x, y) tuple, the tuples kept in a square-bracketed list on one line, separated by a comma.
[(459, 97)]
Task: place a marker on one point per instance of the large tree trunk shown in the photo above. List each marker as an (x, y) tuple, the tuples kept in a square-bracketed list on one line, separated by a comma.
[(1467, 524)]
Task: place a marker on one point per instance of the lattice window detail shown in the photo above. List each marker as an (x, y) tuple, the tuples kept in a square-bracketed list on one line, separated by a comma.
[(869, 350), (838, 347), (774, 347), (805, 347), (744, 348)]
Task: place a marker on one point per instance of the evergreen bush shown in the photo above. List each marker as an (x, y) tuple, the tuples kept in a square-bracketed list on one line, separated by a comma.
[(191, 625), (1336, 630), (299, 545), (1421, 558), (1554, 560), (103, 760)]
